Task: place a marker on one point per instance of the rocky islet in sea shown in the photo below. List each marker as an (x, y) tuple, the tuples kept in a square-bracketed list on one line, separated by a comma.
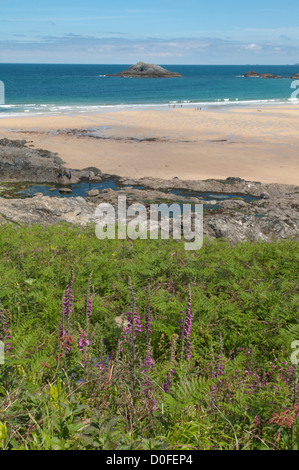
[(143, 70), (253, 74)]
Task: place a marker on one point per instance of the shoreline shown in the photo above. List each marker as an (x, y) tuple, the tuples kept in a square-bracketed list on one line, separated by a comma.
[(88, 109), (253, 143)]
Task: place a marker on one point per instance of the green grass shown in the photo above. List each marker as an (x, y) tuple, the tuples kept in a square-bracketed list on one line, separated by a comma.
[(244, 298)]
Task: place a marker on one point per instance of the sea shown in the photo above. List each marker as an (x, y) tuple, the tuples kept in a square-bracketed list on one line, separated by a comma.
[(50, 89)]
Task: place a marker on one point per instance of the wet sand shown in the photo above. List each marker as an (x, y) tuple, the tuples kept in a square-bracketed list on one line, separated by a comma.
[(253, 144)]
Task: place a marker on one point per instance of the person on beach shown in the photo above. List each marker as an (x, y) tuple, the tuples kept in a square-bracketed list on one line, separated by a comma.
[(70, 174)]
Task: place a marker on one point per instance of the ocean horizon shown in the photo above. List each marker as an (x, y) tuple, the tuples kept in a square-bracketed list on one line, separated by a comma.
[(43, 89)]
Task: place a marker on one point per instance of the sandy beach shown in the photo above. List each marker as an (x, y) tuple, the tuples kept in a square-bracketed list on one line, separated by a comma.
[(254, 144)]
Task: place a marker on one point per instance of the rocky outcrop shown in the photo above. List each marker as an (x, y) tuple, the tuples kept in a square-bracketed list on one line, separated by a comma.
[(254, 74), (230, 185), (273, 217), (295, 76), (19, 163), (65, 190), (46, 210), (273, 213), (93, 193), (142, 70), (269, 219), (269, 75)]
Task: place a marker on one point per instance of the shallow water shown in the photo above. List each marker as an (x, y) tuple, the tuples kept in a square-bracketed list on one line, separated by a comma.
[(82, 188), (206, 196)]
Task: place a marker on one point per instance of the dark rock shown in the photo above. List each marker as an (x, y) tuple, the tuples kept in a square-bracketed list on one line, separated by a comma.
[(295, 76), (269, 75), (65, 190), (19, 163), (12, 143), (233, 180), (252, 74), (146, 71)]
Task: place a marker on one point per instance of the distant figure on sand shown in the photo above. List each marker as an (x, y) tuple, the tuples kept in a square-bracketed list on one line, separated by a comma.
[(70, 174)]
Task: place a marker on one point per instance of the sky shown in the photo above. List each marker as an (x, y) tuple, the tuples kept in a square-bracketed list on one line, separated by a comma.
[(157, 31)]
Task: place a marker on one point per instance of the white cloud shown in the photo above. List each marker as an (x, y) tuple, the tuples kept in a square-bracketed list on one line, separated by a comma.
[(90, 49), (252, 47)]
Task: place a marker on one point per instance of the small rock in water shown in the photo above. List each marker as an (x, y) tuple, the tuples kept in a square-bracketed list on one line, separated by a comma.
[(93, 192), (65, 190), (52, 189)]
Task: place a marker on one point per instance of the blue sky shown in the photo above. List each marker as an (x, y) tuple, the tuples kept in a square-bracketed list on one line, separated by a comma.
[(163, 32)]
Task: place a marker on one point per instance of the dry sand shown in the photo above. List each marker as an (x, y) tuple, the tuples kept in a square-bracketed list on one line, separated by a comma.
[(254, 144)]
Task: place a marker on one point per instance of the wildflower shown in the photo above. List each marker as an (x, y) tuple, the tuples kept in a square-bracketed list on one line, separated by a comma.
[(66, 341), (218, 371), (146, 368), (66, 309), (168, 380), (132, 324), (69, 298), (185, 330), (83, 342), (147, 326), (88, 301)]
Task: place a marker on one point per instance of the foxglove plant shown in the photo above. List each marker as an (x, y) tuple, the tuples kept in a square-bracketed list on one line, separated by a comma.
[(66, 309), (88, 301), (83, 342), (219, 368), (132, 325), (148, 319), (128, 336), (146, 369), (168, 380), (185, 331), (171, 373)]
